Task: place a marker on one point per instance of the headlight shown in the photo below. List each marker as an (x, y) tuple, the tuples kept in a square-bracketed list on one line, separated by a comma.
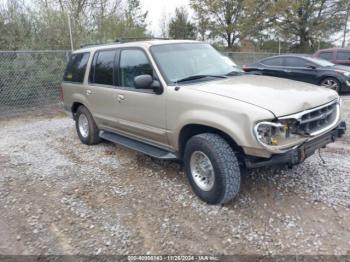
[(278, 136), (345, 73)]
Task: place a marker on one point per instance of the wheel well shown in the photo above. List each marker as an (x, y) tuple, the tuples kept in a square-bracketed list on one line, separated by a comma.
[(324, 77), (75, 107), (191, 130)]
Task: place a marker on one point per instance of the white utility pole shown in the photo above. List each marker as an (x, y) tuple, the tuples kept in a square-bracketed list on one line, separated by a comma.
[(70, 33), (279, 46), (346, 25)]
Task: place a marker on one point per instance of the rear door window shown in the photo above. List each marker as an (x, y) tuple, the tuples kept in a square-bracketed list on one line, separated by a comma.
[(102, 69), (343, 55), (277, 61), (76, 67), (326, 55)]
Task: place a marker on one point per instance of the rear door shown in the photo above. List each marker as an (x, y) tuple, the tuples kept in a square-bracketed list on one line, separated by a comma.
[(101, 92), (274, 67)]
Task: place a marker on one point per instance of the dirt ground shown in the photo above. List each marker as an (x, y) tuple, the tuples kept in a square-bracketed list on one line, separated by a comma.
[(58, 196)]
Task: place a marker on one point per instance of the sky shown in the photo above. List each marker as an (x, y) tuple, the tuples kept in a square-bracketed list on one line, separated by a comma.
[(157, 8)]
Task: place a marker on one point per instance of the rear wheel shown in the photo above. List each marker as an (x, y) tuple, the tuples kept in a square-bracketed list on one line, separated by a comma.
[(212, 168), (87, 129), (331, 83)]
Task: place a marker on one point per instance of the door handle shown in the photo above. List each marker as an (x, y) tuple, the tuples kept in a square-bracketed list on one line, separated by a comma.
[(88, 92), (287, 71), (120, 98)]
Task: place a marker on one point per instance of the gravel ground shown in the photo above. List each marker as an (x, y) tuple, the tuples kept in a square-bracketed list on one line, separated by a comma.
[(58, 196)]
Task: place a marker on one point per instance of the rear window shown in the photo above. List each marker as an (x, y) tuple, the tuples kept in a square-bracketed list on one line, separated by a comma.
[(76, 67), (343, 55), (278, 61), (326, 55)]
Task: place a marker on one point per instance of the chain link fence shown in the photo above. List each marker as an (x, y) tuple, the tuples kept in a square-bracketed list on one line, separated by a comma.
[(30, 80)]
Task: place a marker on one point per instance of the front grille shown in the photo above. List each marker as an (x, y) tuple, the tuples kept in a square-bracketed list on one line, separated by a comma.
[(319, 119)]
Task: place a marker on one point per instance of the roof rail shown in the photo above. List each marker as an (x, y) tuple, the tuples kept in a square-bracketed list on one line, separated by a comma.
[(124, 40), (133, 39), (91, 44)]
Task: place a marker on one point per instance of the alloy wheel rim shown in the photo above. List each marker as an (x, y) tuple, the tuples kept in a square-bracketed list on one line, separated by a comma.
[(202, 171), (83, 125), (330, 83)]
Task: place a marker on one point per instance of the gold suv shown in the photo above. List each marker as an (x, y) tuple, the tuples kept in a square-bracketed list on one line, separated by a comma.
[(183, 100)]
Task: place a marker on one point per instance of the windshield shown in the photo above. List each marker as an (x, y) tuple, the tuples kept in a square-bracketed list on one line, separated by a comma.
[(184, 61), (319, 61)]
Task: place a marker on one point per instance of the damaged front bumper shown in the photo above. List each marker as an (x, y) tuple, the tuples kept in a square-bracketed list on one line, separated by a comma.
[(298, 155)]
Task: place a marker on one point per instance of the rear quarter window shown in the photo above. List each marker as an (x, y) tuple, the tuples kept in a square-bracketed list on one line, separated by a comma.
[(75, 70)]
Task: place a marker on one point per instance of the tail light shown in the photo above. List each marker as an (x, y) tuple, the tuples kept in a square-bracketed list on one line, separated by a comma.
[(244, 67), (61, 93)]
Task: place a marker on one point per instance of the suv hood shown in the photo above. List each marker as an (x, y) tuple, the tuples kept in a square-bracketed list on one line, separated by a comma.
[(280, 96)]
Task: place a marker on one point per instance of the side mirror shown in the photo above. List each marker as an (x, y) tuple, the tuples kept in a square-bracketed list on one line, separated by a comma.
[(147, 82), (143, 81)]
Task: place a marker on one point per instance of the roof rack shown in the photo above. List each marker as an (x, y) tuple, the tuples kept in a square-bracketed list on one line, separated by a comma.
[(133, 39), (124, 40), (92, 44)]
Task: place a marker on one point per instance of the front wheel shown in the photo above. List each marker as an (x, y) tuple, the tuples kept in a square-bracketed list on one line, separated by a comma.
[(331, 83), (212, 168)]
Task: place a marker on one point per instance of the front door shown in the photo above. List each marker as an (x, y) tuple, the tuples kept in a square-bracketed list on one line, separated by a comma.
[(301, 70), (142, 112)]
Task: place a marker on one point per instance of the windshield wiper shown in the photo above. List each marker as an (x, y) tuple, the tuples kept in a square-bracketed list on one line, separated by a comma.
[(195, 77)]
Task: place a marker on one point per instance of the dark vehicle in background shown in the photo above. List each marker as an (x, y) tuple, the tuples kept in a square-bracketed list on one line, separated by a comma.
[(304, 68), (339, 56)]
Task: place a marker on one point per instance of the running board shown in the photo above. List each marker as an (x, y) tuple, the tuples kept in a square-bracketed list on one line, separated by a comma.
[(137, 145)]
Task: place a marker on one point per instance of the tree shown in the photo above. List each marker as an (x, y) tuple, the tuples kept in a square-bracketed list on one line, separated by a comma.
[(232, 19), (135, 19), (43, 24), (107, 20), (16, 28), (202, 21), (180, 27), (305, 23)]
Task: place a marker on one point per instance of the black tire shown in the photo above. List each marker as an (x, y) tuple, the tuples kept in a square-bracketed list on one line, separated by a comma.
[(227, 172), (331, 79), (92, 137)]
